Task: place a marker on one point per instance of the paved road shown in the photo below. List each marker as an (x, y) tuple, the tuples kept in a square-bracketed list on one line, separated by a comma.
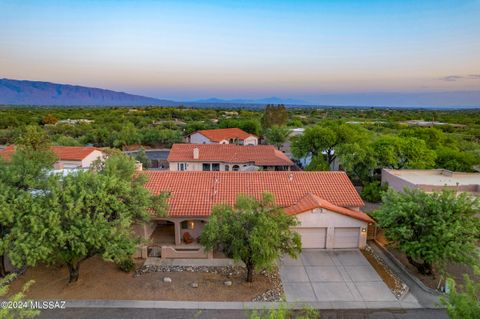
[(116, 313), (341, 277)]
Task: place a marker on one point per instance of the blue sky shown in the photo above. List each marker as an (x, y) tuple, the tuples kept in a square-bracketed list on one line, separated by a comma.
[(305, 50)]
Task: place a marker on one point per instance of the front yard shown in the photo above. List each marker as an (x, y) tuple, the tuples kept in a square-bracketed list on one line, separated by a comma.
[(103, 280)]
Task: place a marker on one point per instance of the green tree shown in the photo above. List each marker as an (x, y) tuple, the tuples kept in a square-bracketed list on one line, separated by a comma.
[(63, 140), (274, 115), (251, 126), (358, 160), (143, 158), (431, 229), (25, 172), (396, 152), (83, 214), (463, 303), (32, 158), (456, 160), (256, 232), (277, 135), (17, 313), (325, 139)]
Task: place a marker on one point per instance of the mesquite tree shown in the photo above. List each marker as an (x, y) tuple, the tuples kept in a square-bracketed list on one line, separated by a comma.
[(256, 232), (431, 229), (84, 214)]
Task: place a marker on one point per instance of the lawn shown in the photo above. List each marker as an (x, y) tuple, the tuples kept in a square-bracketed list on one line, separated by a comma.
[(103, 280)]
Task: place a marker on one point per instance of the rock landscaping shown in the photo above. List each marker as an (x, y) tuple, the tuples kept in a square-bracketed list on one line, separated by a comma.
[(275, 293), (396, 285)]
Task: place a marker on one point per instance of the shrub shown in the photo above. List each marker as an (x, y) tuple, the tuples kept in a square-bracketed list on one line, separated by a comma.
[(372, 192), (126, 265)]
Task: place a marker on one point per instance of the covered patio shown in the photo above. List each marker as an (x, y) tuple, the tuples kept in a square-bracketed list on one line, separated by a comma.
[(171, 238)]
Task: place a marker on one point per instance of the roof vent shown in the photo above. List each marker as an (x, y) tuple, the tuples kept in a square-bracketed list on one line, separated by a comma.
[(196, 153), (290, 177)]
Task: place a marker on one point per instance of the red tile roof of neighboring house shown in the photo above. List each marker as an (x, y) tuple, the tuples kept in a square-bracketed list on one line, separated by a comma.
[(310, 201), (72, 153), (229, 153), (64, 153), (224, 134), (195, 193)]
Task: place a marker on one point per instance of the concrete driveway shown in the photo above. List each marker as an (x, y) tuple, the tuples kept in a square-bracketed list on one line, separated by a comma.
[(336, 276)]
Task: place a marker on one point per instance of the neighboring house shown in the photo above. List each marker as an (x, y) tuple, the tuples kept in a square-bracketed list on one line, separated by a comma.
[(223, 136), (69, 157), (227, 157), (325, 203), (431, 180), (157, 157)]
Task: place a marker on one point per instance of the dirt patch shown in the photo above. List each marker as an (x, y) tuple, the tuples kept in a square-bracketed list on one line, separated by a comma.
[(454, 270), (397, 286), (103, 280)]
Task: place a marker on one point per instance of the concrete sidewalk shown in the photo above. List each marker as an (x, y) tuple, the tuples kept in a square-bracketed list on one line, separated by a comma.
[(152, 304)]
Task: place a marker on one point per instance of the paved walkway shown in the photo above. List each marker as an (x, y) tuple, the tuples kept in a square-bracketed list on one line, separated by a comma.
[(341, 278)]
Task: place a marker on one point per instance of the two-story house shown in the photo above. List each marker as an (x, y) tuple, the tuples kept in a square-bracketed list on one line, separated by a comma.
[(227, 157)]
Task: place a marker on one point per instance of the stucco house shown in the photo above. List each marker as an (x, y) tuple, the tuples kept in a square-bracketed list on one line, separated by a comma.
[(432, 180), (69, 157), (222, 136), (325, 203), (227, 157)]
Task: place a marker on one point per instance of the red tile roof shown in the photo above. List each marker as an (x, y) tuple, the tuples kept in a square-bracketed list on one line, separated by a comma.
[(72, 153), (64, 153), (224, 134), (195, 193), (229, 153), (310, 201)]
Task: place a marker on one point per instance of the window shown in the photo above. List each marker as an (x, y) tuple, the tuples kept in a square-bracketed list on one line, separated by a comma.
[(215, 167), (205, 167), (182, 166), (235, 168), (227, 168)]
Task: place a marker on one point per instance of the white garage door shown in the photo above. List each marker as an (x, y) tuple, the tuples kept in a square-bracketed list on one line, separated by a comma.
[(313, 237), (346, 237)]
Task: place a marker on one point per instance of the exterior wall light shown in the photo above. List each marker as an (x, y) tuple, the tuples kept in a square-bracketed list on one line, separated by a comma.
[(191, 225), (364, 230)]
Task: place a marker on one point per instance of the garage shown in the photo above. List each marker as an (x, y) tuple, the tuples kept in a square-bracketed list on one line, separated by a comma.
[(346, 237), (314, 237)]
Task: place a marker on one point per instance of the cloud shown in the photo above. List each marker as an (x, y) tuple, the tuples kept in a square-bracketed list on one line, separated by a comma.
[(453, 78)]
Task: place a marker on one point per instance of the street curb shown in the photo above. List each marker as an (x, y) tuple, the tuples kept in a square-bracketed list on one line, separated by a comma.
[(152, 304), (405, 271)]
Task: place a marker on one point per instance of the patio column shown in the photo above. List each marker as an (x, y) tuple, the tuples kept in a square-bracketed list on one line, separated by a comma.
[(178, 238)]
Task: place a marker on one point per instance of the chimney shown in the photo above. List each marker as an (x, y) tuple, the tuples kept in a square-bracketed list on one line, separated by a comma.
[(196, 153), (138, 166)]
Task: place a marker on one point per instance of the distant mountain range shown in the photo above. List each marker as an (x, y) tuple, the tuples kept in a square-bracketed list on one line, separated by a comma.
[(16, 92), (37, 93), (22, 92), (268, 100)]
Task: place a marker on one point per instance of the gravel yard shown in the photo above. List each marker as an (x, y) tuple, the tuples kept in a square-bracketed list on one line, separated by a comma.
[(103, 280)]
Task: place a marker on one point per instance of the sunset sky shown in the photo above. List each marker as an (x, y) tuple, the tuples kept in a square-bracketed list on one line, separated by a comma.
[(187, 50)]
